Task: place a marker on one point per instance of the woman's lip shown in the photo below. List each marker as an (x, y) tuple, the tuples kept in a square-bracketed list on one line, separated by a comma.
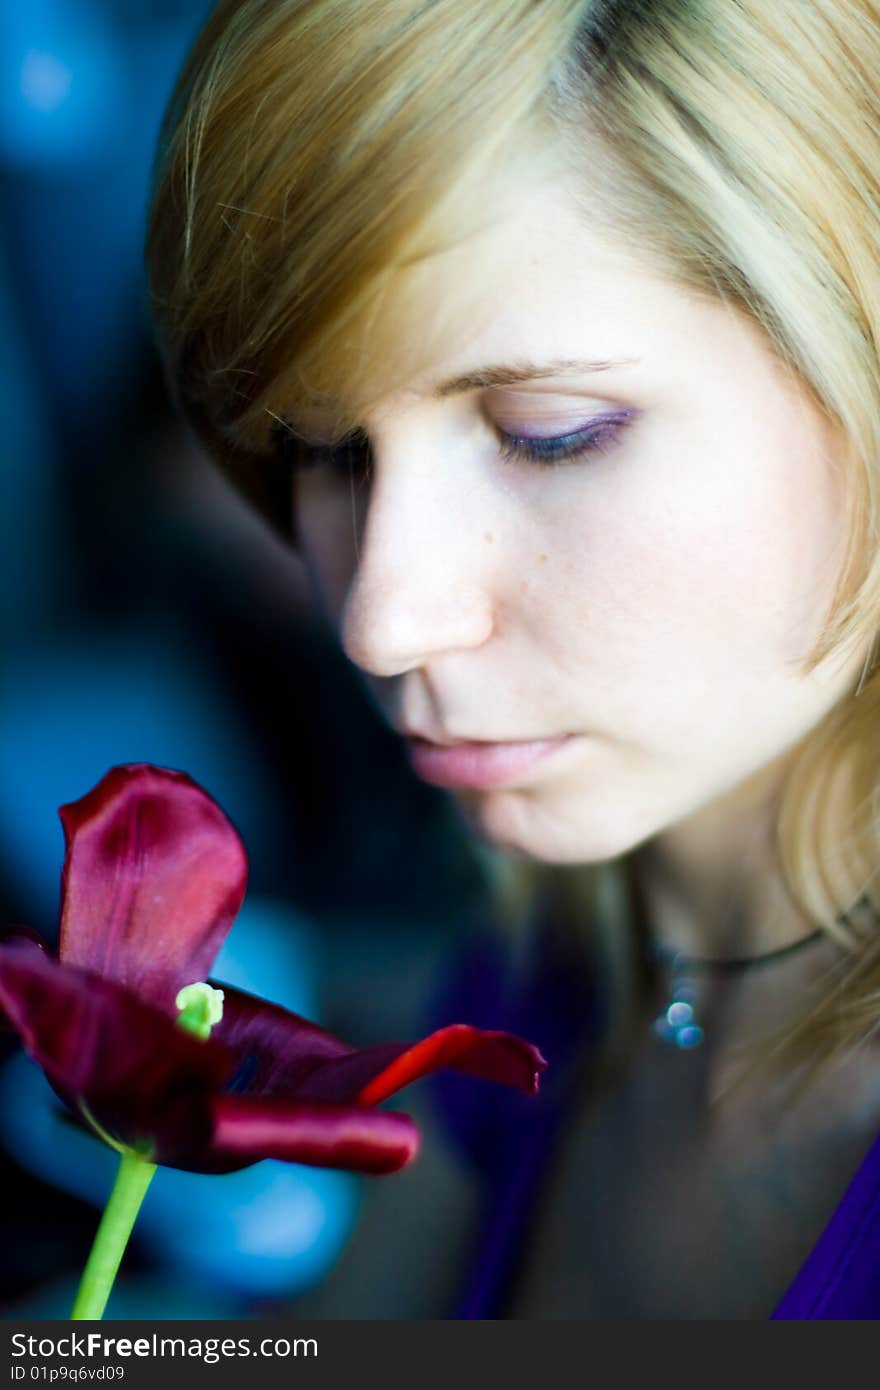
[(480, 765)]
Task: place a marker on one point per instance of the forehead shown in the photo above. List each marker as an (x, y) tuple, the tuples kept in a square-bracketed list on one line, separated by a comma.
[(537, 282)]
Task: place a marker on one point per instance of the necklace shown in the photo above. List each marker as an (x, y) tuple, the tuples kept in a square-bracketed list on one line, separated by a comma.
[(677, 1023)]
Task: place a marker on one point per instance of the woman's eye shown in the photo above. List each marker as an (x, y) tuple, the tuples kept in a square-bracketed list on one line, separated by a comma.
[(351, 458), (600, 437)]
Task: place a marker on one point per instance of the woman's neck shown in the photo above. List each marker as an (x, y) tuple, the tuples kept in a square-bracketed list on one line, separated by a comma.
[(711, 885)]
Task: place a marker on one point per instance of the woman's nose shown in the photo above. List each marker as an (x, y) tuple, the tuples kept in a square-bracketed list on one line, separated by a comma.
[(420, 588)]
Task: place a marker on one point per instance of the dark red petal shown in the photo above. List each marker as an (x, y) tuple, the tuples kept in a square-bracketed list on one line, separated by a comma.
[(274, 1048), (280, 1053), (153, 877), (21, 937), (99, 1043), (10, 934), (249, 1128), (370, 1075)]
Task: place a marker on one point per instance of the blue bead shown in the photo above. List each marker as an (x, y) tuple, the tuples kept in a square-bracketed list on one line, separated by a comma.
[(679, 1014)]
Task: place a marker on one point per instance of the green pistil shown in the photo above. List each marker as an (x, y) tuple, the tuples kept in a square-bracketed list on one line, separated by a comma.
[(201, 1006)]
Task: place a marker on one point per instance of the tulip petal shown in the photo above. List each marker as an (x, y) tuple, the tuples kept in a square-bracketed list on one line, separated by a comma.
[(98, 1043), (249, 1128), (19, 937), (276, 1050), (153, 877), (279, 1054), (370, 1075), (16, 933)]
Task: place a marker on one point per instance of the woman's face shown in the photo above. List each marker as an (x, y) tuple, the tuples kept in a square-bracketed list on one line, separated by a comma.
[(650, 598)]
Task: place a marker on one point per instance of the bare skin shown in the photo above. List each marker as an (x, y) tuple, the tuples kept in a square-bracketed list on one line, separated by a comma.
[(667, 1202), (655, 599)]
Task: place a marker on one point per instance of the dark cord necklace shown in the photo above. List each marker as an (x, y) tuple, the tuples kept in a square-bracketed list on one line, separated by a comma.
[(677, 1023)]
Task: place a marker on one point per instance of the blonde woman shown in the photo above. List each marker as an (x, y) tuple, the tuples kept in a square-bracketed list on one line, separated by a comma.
[(550, 332)]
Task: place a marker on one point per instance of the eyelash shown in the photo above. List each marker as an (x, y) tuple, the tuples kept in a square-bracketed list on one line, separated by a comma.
[(553, 450), (544, 451)]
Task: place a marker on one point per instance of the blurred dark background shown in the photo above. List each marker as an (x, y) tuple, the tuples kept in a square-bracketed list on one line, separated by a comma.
[(147, 616)]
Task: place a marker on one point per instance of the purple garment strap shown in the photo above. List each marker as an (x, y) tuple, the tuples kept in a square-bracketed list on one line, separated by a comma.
[(504, 1232), (507, 1137), (841, 1277)]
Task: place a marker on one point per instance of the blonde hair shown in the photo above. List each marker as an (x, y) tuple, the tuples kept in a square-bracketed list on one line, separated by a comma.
[(316, 152)]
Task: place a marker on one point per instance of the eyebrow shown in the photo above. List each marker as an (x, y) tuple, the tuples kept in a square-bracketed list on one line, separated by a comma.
[(486, 377), (483, 378)]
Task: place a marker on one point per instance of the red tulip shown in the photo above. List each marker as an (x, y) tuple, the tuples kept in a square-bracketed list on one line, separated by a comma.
[(153, 877)]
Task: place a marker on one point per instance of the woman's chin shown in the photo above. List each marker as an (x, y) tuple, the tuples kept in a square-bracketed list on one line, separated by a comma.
[(536, 828)]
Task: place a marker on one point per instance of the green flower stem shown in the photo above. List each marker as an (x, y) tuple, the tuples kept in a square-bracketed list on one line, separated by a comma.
[(132, 1180)]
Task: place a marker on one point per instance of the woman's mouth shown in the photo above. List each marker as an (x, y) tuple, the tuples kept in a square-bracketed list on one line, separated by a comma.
[(480, 765)]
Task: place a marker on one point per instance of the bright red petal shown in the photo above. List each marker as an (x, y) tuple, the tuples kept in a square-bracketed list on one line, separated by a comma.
[(281, 1054), (98, 1043), (371, 1075), (248, 1128), (153, 878)]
